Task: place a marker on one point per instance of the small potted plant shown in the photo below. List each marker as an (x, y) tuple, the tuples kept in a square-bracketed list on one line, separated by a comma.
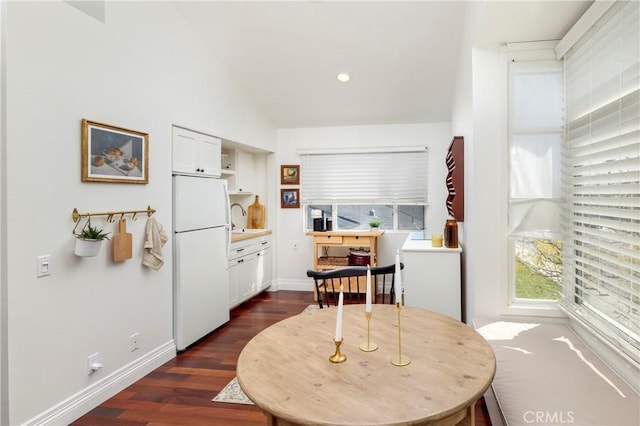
[(374, 223), (89, 241)]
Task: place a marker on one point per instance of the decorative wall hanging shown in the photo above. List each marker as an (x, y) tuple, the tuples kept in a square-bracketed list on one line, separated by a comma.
[(290, 175), (455, 178), (114, 154), (290, 198)]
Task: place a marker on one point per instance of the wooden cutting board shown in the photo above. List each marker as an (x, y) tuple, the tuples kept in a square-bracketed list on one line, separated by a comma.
[(122, 243), (255, 215)]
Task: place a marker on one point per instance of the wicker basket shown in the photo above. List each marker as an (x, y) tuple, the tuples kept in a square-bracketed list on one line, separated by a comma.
[(333, 261)]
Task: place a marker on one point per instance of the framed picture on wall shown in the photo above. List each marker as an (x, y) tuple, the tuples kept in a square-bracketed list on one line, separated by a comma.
[(290, 198), (290, 175), (114, 154)]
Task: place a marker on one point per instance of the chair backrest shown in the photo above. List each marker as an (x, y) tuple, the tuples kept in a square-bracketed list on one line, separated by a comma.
[(353, 282)]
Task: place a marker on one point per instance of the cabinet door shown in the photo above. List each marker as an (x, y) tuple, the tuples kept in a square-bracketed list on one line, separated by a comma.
[(442, 295), (184, 151), (195, 153), (210, 155), (244, 172), (263, 268), (246, 277), (234, 299)]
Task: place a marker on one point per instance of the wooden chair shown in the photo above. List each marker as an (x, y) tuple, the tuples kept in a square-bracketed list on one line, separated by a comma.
[(353, 281)]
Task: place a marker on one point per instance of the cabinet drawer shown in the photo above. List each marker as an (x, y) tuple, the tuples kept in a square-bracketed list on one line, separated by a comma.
[(329, 239), (357, 241), (241, 250)]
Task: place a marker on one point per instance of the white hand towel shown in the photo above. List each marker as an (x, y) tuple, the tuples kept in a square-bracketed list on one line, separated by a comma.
[(155, 238)]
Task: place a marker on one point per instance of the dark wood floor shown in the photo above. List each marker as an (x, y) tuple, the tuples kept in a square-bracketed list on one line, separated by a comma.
[(180, 391)]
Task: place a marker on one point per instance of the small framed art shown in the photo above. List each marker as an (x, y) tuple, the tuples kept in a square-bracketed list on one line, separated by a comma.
[(290, 198), (290, 175), (114, 154)]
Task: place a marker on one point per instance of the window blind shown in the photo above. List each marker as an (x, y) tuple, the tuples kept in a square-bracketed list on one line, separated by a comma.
[(602, 166), (365, 177), (535, 140)]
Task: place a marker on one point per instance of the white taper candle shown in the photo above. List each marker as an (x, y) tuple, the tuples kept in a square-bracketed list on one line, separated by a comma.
[(339, 317), (368, 298), (398, 283)]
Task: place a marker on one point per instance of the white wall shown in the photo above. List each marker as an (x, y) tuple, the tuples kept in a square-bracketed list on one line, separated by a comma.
[(462, 125), (479, 114), (295, 249), (486, 224), (145, 70), (4, 365)]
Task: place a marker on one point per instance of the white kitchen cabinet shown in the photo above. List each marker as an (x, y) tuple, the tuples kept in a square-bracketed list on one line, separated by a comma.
[(233, 269), (249, 268), (195, 153), (240, 270), (263, 266), (247, 284), (431, 276), (237, 168)]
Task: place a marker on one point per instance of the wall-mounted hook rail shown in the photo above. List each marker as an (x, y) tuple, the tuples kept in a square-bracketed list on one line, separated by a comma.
[(77, 216)]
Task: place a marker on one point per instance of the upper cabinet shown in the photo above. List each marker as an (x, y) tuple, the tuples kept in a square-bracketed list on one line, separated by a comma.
[(195, 153), (237, 168)]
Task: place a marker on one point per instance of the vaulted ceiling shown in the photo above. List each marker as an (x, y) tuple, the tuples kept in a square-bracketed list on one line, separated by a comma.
[(402, 56)]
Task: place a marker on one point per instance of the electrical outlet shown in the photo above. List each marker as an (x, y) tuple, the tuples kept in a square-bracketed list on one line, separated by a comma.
[(94, 363), (135, 342)]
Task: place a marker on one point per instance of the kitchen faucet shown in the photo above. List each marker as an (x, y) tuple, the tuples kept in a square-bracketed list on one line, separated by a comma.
[(244, 213)]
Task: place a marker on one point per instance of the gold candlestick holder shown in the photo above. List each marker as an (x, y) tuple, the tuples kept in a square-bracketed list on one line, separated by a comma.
[(368, 346), (338, 356), (400, 360)]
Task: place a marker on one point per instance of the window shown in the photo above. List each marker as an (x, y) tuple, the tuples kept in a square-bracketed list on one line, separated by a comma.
[(602, 150), (536, 117), (356, 187)]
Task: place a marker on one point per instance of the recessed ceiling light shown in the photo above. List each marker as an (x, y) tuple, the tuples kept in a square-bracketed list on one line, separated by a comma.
[(343, 77)]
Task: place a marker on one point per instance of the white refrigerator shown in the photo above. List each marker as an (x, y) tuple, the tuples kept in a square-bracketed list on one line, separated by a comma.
[(201, 241)]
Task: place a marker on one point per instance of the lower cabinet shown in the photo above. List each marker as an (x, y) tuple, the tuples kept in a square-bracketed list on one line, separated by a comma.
[(264, 268), (432, 277), (249, 268)]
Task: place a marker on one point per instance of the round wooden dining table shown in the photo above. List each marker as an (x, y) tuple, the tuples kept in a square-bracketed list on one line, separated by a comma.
[(285, 369)]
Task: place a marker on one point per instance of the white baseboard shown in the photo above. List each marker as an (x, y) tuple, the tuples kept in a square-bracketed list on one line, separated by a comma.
[(293, 285), (87, 399)]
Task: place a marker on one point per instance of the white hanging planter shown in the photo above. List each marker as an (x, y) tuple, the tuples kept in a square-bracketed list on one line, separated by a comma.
[(87, 248)]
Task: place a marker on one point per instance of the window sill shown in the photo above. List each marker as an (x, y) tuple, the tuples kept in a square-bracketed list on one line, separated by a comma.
[(535, 309)]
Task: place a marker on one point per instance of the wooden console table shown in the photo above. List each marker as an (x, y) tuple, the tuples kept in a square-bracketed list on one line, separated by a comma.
[(324, 241)]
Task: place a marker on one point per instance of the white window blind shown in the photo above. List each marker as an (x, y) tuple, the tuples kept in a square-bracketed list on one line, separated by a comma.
[(602, 165), (365, 177), (535, 140)]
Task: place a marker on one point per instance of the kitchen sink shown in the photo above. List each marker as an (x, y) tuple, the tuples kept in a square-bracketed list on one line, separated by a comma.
[(247, 231)]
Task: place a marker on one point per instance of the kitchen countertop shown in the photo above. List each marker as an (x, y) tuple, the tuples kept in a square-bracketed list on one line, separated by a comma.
[(425, 246), (252, 233), (416, 242)]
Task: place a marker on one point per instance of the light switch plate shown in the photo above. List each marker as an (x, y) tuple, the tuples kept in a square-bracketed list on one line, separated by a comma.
[(43, 266)]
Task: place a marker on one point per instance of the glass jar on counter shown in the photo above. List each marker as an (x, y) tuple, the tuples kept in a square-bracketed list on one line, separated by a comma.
[(451, 233)]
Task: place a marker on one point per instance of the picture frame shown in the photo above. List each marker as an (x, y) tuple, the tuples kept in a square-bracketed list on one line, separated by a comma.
[(114, 154), (290, 174), (290, 198)]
